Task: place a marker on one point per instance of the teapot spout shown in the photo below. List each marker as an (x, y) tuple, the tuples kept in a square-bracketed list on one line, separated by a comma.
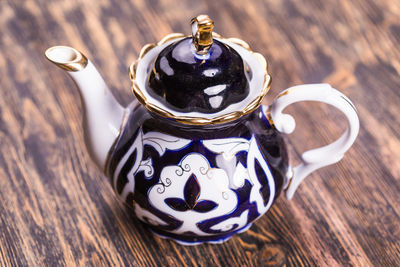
[(103, 115)]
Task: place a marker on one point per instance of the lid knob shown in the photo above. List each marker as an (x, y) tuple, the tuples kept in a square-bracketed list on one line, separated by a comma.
[(202, 27)]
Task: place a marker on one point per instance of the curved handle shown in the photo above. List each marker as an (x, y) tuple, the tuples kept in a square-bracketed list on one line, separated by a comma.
[(323, 156)]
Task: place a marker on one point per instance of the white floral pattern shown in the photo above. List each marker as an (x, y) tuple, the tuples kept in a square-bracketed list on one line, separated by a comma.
[(172, 186), (193, 191), (160, 142), (228, 148)]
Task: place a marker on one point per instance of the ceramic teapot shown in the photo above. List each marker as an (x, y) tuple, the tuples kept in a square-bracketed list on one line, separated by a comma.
[(196, 156)]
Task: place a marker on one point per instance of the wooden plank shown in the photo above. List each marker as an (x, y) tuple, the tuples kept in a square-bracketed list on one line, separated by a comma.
[(57, 208)]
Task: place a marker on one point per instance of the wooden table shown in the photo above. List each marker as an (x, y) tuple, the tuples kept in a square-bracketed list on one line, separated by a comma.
[(56, 208)]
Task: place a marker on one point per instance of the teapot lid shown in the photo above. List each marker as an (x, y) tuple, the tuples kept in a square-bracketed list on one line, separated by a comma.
[(200, 79)]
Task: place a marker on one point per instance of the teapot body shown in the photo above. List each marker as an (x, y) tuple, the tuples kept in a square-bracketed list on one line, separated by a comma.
[(198, 184)]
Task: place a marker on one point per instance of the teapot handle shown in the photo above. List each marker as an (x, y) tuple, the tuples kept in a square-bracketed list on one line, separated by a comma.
[(323, 156)]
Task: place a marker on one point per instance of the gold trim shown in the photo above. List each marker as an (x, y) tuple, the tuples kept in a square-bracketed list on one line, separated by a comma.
[(261, 59), (77, 62), (289, 177), (132, 70), (170, 37), (288, 91), (146, 49), (196, 120), (269, 118), (239, 42)]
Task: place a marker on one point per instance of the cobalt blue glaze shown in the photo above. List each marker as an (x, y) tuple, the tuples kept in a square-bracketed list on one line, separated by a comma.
[(141, 122), (185, 81), (191, 198)]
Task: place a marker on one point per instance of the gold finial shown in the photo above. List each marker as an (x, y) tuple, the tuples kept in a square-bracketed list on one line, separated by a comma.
[(202, 27)]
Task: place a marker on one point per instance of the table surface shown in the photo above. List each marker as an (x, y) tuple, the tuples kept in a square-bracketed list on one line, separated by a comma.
[(56, 208)]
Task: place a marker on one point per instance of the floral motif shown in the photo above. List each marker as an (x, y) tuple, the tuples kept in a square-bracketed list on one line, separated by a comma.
[(228, 148), (194, 192), (160, 142), (191, 200)]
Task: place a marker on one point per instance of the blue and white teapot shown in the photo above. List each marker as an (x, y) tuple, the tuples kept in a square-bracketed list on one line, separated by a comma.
[(197, 157)]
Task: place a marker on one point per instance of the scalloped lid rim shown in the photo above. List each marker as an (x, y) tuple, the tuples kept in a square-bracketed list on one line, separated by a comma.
[(258, 83)]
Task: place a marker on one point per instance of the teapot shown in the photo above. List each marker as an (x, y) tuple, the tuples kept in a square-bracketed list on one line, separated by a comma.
[(195, 155)]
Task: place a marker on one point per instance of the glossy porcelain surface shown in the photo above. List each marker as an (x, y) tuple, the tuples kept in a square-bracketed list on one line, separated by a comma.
[(198, 184), (186, 81)]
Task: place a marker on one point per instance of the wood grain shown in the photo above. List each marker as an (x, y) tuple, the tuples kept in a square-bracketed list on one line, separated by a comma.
[(57, 209)]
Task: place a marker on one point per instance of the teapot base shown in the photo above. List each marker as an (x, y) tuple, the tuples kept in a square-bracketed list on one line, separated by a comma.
[(196, 240)]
